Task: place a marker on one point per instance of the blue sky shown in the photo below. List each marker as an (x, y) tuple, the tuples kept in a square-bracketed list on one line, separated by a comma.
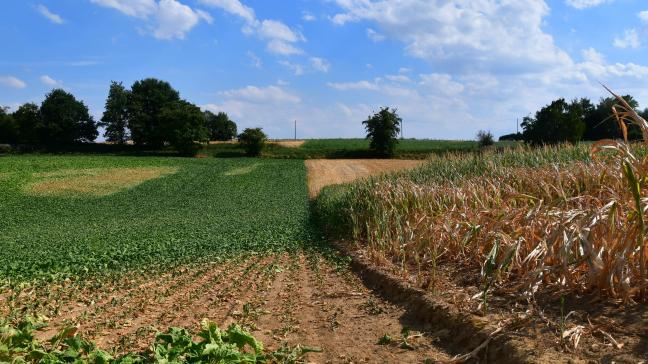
[(450, 67)]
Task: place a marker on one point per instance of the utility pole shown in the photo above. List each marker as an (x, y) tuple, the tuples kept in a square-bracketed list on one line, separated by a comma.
[(402, 133), (295, 129), (517, 125)]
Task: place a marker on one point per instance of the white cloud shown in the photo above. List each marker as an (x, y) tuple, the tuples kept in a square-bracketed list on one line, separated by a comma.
[(308, 16), (398, 78), (168, 19), (443, 31), (282, 48), (630, 39), (320, 64), (175, 20), (443, 83), (375, 36), (643, 16), (44, 11), (274, 94), (595, 64), (256, 61), (280, 37), (582, 4), (11, 81), (135, 8), (272, 29), (359, 85), (234, 7), (295, 68), (49, 81)]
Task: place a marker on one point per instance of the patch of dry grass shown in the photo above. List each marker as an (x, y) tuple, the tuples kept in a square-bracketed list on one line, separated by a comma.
[(92, 182)]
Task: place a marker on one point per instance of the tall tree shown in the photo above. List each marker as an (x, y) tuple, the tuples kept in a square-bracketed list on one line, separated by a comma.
[(556, 123), (220, 126), (145, 102), (382, 129), (64, 120), (8, 127), (184, 126), (599, 123), (115, 117), (28, 120)]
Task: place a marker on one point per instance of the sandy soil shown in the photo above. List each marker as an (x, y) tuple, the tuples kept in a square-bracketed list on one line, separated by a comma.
[(295, 299), (324, 172)]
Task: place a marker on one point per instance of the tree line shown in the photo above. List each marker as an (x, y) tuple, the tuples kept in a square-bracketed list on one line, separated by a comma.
[(580, 119), (150, 114)]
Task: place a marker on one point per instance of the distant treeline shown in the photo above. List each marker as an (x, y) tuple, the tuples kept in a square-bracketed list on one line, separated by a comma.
[(563, 121), (150, 114)]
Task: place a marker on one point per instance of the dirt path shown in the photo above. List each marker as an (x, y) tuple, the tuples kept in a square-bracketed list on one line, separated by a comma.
[(282, 299), (324, 172)]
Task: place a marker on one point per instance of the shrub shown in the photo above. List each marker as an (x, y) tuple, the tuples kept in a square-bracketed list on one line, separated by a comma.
[(5, 149), (382, 129), (511, 137), (252, 140), (485, 138)]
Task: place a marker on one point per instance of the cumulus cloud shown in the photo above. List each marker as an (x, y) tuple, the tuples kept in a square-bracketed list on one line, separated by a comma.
[(167, 19), (643, 16), (295, 68), (44, 11), (274, 94), (281, 39), (630, 39), (582, 4), (308, 16), (374, 35), (320, 64), (13, 82), (359, 85), (493, 62), (49, 81)]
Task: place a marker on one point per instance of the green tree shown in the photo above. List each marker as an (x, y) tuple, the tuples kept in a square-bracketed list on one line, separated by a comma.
[(253, 140), (115, 117), (382, 129), (220, 126), (8, 127), (599, 123), (145, 102), (556, 123), (64, 120), (485, 138), (184, 125), (28, 119)]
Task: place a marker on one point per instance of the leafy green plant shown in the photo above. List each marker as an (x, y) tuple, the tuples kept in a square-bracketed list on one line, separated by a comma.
[(234, 345), (253, 140)]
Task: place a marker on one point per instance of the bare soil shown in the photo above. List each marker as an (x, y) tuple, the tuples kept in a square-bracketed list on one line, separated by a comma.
[(325, 172), (282, 299)]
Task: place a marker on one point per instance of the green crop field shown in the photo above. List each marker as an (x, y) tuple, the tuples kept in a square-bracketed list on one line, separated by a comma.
[(353, 148), (192, 209)]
